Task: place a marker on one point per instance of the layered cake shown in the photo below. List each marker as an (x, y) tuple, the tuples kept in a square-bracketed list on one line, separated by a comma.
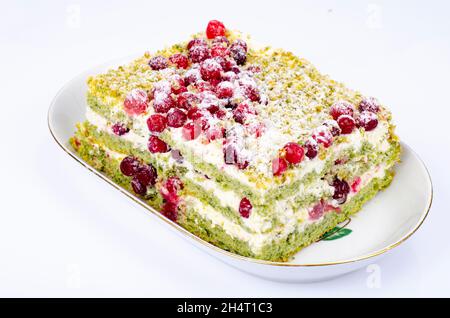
[(249, 148)]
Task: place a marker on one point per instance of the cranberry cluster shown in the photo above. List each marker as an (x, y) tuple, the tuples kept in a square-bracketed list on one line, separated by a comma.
[(169, 191), (143, 175), (346, 117)]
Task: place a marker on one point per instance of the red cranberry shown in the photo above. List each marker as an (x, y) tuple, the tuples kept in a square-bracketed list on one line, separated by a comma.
[(156, 145), (312, 148), (251, 92), (241, 43), (294, 152), (238, 53), (323, 136), (215, 28), (195, 113), (136, 102), (341, 108), (222, 40), (317, 211), (356, 184), (213, 109), (158, 63), (346, 123), (176, 118), (138, 187), (157, 123), (170, 188), (191, 131), (240, 113), (196, 42), (334, 127), (341, 189), (177, 85), (199, 53), (147, 175), (163, 102), (129, 166), (187, 100), (170, 211), (369, 104), (367, 120), (203, 86), (219, 51), (279, 166), (245, 208), (120, 129), (210, 69), (221, 114), (180, 60), (192, 76)]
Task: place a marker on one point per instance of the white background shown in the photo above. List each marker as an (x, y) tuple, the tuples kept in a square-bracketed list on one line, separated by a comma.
[(65, 233)]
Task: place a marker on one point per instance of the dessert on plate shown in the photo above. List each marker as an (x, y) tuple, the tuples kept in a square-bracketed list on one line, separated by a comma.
[(249, 148)]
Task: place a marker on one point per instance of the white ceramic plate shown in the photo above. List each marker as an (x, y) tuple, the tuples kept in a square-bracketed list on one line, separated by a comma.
[(384, 223)]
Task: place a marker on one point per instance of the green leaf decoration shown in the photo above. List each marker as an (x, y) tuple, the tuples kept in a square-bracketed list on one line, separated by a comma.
[(336, 233)]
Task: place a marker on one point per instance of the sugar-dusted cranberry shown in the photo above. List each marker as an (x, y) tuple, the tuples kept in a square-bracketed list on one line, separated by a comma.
[(170, 188), (138, 187), (220, 114), (204, 86), (346, 123), (294, 153), (219, 51), (195, 113), (238, 53), (157, 123), (136, 102), (241, 112), (341, 190), (176, 118), (191, 131), (356, 184), (333, 126), (241, 43), (316, 211), (341, 108), (199, 53), (279, 166), (162, 103), (192, 76), (312, 148), (156, 145), (147, 175), (170, 211), (196, 42), (215, 28), (120, 129), (369, 104), (229, 76), (367, 120), (222, 40), (232, 156), (251, 92), (245, 208), (180, 60), (158, 63), (323, 136), (187, 100), (210, 69), (129, 166), (177, 84)]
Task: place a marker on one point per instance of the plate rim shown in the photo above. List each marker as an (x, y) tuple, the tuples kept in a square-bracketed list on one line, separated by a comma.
[(150, 210)]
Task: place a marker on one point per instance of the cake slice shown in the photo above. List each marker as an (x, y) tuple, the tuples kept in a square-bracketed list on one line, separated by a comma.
[(249, 148)]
